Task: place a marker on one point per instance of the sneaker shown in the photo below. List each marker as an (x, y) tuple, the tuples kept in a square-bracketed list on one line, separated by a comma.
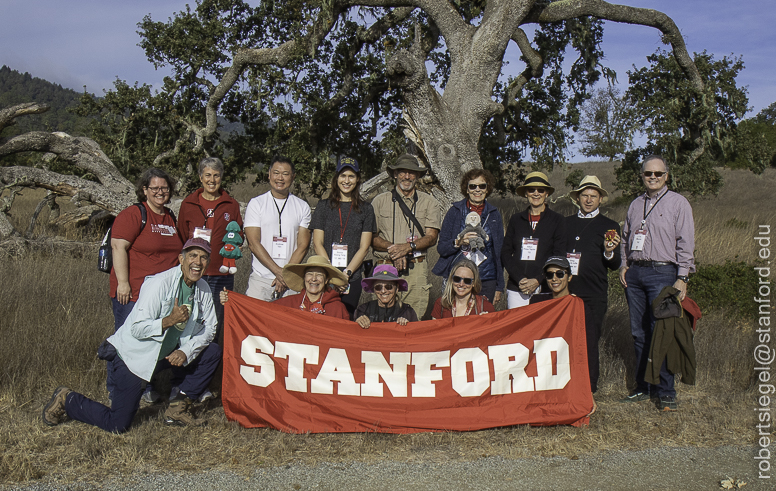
[(636, 397), (54, 413), (667, 403), (179, 414), (151, 397)]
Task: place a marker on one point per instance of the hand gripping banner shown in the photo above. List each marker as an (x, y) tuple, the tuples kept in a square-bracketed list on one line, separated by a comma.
[(300, 372)]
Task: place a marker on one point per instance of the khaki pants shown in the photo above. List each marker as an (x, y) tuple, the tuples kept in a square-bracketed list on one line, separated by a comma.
[(418, 288), (261, 288)]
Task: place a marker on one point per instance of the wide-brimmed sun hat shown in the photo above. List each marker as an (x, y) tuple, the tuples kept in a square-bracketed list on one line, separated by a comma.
[(535, 180), (383, 272), (408, 162), (589, 182), (293, 274)]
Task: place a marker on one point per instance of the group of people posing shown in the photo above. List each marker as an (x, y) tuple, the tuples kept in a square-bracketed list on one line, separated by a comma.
[(541, 250)]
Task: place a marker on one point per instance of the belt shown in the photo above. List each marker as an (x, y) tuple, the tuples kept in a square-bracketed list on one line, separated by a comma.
[(413, 260), (647, 264)]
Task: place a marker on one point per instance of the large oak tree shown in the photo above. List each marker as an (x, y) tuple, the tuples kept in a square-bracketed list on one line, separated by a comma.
[(316, 78)]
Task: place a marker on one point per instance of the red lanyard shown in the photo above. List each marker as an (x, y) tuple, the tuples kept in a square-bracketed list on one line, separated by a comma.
[(342, 229)]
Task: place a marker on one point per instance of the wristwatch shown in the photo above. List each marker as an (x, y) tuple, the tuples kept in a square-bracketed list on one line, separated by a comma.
[(348, 273), (413, 246), (684, 278)]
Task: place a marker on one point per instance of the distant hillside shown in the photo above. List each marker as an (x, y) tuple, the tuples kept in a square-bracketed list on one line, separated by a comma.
[(16, 88)]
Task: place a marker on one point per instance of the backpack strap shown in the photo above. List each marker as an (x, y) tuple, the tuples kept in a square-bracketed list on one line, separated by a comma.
[(143, 215)]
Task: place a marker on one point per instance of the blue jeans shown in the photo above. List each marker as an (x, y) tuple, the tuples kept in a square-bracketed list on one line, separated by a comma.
[(644, 285), (128, 389), (489, 289), (217, 283), (120, 314)]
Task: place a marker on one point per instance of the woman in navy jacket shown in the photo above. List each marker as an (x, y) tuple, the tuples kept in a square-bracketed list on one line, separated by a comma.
[(533, 235), (477, 184)]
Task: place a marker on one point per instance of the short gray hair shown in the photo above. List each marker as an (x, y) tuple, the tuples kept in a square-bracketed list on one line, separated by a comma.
[(654, 157), (212, 163)]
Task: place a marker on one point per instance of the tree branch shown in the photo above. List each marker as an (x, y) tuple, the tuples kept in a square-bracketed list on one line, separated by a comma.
[(8, 114), (80, 151), (569, 9), (533, 70), (65, 185)]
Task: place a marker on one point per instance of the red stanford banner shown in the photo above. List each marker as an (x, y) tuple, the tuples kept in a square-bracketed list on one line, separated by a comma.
[(300, 372)]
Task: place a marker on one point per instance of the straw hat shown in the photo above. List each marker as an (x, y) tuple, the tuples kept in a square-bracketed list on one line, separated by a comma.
[(293, 274), (589, 182), (383, 272), (535, 180)]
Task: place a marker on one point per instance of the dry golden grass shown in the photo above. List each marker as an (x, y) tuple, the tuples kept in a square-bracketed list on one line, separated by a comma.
[(54, 312)]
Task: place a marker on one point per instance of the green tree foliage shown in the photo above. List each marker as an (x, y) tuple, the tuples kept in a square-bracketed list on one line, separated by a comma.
[(16, 88), (607, 125), (755, 146), (693, 130), (302, 110), (282, 110), (134, 126)]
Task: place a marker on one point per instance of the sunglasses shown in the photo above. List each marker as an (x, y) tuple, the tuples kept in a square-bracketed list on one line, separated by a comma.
[(472, 187), (648, 173), (555, 274), (387, 287), (458, 279), (535, 190)]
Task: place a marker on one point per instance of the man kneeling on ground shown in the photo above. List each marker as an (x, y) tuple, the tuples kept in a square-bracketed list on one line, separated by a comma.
[(171, 326)]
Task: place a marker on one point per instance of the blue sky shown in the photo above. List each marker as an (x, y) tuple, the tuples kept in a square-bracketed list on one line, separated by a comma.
[(90, 42)]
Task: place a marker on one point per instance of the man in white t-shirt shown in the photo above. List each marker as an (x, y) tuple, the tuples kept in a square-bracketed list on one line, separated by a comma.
[(276, 230)]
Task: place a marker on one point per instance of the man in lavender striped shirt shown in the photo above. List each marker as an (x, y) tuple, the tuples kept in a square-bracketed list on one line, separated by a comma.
[(658, 239)]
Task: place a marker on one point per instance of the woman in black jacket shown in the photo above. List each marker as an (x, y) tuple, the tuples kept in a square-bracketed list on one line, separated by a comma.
[(532, 236)]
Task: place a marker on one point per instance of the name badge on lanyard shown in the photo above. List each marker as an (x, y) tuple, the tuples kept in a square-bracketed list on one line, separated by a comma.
[(528, 251), (279, 247), (202, 233), (639, 238), (574, 258), (339, 255)]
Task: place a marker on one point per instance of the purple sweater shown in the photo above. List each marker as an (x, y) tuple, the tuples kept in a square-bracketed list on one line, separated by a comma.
[(670, 231)]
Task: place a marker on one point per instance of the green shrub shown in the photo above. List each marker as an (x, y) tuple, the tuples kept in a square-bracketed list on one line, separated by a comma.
[(732, 285)]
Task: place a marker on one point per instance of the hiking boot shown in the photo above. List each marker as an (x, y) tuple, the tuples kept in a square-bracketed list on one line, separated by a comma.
[(150, 397), (179, 414), (667, 403), (54, 412), (636, 397)]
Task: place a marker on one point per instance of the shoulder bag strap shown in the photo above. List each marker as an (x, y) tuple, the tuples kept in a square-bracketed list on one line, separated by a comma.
[(407, 212)]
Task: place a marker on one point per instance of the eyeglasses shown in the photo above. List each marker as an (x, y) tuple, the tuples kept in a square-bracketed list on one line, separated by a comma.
[(472, 187), (557, 274), (536, 190), (458, 279), (163, 190), (284, 174), (648, 173), (380, 287)]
